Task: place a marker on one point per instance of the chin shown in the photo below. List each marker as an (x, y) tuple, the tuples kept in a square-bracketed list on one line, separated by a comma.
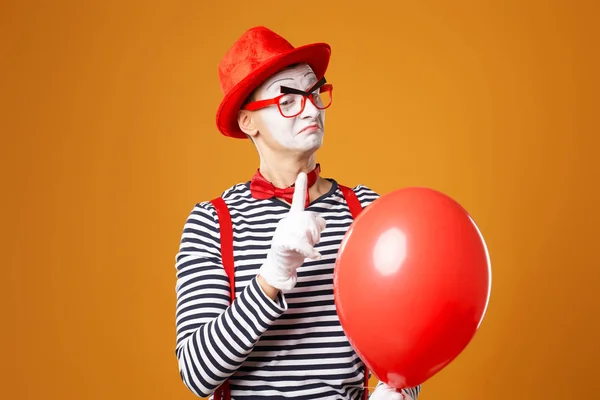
[(313, 142)]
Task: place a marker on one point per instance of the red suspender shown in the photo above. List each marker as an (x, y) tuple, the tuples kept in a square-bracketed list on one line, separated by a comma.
[(226, 230), (353, 202)]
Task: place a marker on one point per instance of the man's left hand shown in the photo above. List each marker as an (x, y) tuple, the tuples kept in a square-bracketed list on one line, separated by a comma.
[(384, 392)]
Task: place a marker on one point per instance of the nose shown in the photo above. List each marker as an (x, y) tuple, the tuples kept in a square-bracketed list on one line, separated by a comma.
[(310, 111)]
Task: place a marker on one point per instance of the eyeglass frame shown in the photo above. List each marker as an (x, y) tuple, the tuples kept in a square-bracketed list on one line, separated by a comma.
[(321, 84)]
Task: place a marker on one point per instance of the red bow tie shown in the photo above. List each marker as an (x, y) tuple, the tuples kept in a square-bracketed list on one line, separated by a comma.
[(262, 189)]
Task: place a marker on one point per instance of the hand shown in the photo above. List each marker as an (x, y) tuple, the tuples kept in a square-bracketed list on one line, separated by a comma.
[(293, 241), (385, 392)]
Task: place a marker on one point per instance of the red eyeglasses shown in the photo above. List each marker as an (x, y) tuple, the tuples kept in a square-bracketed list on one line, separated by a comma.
[(292, 101)]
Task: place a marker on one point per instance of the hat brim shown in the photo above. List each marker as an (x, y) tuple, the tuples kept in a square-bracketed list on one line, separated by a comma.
[(316, 55)]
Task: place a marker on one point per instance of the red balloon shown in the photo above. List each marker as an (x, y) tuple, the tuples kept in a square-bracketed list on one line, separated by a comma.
[(411, 283)]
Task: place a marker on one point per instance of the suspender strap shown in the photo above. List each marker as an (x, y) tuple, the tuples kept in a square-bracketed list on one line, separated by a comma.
[(226, 230), (353, 202)]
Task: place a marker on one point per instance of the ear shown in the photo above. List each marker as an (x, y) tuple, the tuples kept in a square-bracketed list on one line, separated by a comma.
[(246, 123)]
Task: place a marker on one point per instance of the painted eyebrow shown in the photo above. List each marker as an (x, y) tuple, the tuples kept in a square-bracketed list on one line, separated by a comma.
[(314, 86), (277, 80), (283, 79)]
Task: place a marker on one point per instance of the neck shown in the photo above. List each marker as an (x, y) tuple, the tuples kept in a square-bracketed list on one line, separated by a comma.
[(283, 172)]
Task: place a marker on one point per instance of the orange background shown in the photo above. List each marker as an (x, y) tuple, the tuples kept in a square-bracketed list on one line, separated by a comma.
[(108, 139)]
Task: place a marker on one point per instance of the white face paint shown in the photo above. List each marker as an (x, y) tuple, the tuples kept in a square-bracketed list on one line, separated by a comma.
[(302, 133)]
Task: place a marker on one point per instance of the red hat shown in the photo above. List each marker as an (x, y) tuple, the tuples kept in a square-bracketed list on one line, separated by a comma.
[(254, 57)]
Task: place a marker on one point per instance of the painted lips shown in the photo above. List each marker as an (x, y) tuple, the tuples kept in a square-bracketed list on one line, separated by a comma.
[(309, 129)]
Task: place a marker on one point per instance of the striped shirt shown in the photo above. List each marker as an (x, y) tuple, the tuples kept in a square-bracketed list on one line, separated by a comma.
[(293, 347)]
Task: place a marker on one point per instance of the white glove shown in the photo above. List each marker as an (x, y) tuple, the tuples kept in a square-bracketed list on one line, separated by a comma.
[(385, 392), (293, 241)]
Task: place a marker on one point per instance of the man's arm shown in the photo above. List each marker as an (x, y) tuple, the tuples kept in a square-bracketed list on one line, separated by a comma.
[(213, 337)]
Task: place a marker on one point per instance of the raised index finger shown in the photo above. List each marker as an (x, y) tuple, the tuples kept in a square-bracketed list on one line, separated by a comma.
[(299, 193)]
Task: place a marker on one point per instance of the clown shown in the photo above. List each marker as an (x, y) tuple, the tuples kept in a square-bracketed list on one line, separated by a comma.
[(255, 314)]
